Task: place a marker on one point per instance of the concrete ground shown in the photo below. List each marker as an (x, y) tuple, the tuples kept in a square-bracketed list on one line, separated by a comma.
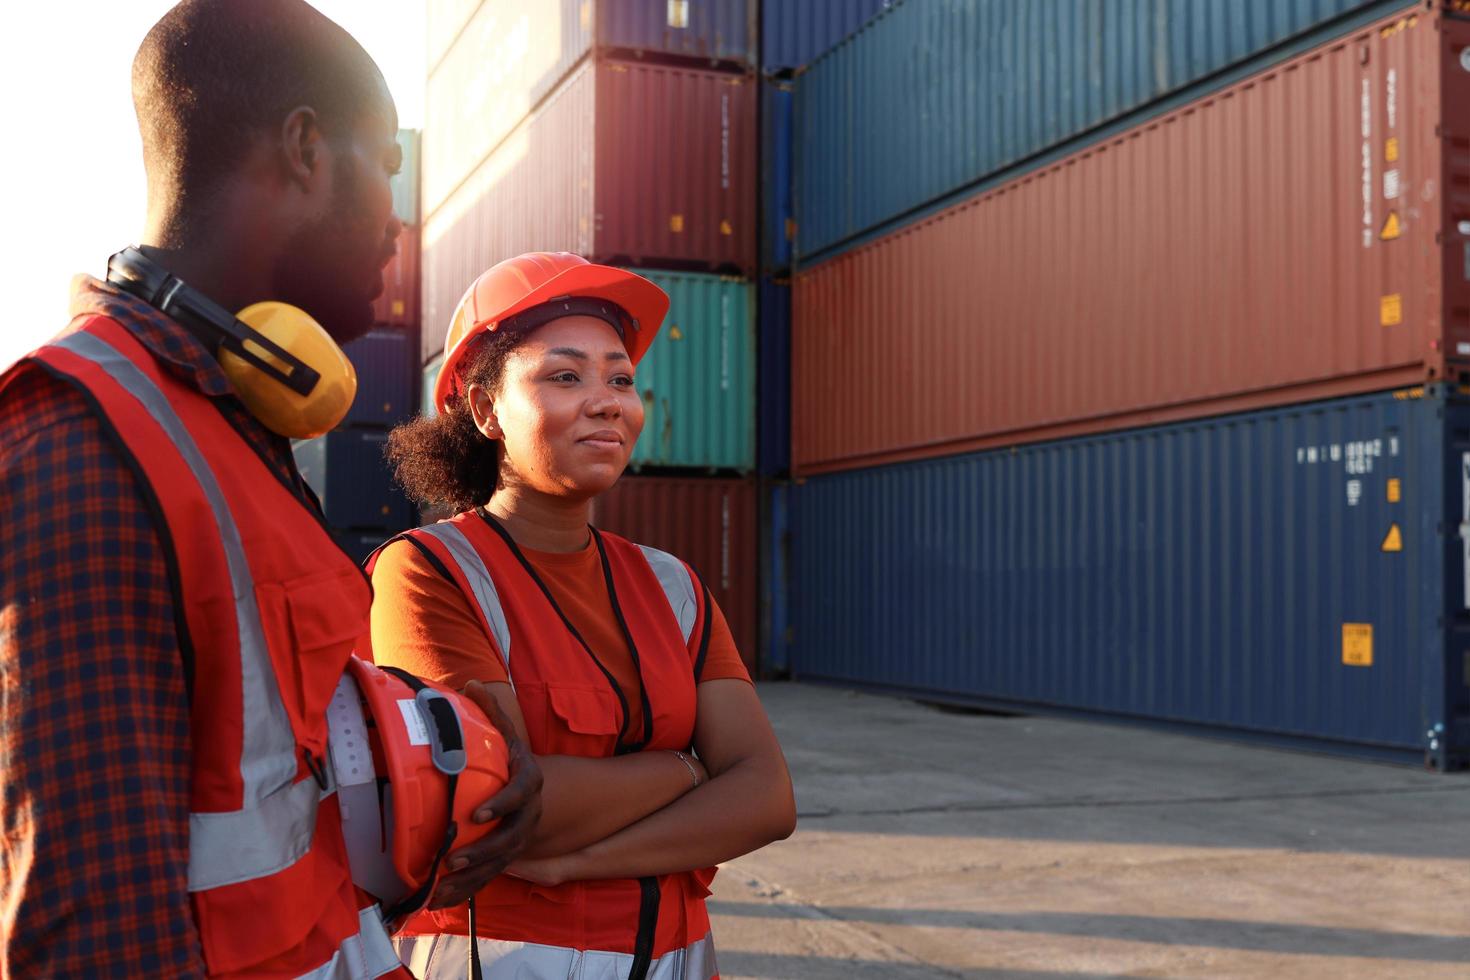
[(938, 844)]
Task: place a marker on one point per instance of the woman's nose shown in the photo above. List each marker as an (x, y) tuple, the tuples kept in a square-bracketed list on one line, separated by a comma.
[(605, 405)]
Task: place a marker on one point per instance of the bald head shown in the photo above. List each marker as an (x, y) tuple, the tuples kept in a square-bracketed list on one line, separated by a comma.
[(213, 75)]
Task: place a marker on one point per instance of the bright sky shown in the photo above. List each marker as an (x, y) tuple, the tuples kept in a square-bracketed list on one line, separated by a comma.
[(71, 175)]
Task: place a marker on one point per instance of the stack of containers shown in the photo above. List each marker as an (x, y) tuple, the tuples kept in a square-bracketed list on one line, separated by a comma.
[(793, 34), (346, 467), (1155, 415), (623, 131)]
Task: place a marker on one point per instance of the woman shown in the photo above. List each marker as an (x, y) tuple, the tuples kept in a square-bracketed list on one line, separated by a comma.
[(611, 659)]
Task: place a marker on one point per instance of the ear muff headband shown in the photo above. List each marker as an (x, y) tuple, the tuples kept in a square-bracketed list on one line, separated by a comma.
[(134, 272)]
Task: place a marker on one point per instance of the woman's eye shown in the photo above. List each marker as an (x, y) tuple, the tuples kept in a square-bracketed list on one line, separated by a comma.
[(564, 376), (623, 381)]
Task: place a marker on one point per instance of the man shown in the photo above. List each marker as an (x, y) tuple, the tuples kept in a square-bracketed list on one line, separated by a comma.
[(268, 140)]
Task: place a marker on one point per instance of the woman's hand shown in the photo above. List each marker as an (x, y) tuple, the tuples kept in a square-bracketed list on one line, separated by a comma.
[(517, 806), (550, 871)]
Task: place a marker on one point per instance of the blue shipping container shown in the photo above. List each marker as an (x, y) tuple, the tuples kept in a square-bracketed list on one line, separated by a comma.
[(717, 30), (930, 99), (351, 478), (794, 32), (1295, 574), (778, 224), (773, 378), (383, 359)]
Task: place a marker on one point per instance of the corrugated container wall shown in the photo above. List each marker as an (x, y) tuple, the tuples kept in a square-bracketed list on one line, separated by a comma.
[(444, 19), (1279, 241), (714, 30), (625, 163), (426, 386), (773, 391), (512, 53), (398, 305), (508, 56), (698, 378), (406, 181), (775, 611), (930, 97), (711, 524), (383, 360), (793, 32), (347, 471), (778, 226), (1292, 573)]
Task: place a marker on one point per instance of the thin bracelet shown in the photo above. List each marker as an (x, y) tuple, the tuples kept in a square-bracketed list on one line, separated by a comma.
[(687, 765)]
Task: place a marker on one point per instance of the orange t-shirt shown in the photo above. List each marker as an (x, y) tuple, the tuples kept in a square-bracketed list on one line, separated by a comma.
[(423, 623)]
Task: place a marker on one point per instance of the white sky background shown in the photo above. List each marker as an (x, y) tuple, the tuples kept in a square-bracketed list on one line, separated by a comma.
[(71, 172)]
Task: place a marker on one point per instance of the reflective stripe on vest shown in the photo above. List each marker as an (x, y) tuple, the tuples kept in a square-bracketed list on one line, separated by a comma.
[(274, 827), (472, 566), (370, 953), (442, 957), (672, 577)]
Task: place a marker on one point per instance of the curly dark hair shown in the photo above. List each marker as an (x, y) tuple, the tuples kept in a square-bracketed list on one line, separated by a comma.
[(443, 460)]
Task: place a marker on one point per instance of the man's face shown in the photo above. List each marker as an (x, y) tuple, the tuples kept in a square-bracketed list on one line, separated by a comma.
[(332, 266)]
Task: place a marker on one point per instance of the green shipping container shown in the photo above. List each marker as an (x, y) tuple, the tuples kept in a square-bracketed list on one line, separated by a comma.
[(406, 183), (698, 378)]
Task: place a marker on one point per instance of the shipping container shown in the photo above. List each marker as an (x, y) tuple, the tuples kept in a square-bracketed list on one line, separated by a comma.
[(709, 523), (778, 226), (351, 478), (625, 163), (426, 386), (406, 181), (928, 98), (773, 390), (398, 304), (511, 54), (698, 378), (360, 544), (717, 31), (1300, 235), (506, 58), (384, 362), (775, 581), (795, 32), (1293, 573), (444, 21)]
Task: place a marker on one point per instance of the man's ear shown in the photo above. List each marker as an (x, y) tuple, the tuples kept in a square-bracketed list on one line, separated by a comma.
[(303, 148)]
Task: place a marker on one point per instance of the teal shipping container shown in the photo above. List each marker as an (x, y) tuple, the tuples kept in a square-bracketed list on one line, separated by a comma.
[(698, 379), (426, 389), (406, 181)]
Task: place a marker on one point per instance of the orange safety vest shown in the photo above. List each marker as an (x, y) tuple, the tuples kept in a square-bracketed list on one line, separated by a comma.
[(273, 610), (621, 928)]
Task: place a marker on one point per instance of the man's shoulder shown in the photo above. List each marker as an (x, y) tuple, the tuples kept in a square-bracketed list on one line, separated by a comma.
[(35, 402)]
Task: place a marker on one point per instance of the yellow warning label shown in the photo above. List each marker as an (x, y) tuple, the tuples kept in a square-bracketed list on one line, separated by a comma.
[(1391, 228), (675, 333), (1357, 644), (676, 223), (1391, 310), (1409, 394), (398, 307), (1395, 490), (1393, 540), (726, 228), (1391, 150)]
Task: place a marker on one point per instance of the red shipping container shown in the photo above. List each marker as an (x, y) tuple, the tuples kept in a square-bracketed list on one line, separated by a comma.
[(711, 524), (632, 164), (399, 304), (1300, 235)]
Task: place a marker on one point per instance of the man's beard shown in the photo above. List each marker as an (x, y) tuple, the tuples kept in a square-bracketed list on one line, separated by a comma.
[(316, 272)]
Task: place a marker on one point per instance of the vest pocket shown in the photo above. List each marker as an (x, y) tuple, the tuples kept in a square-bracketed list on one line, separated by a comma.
[(569, 720), (313, 623)]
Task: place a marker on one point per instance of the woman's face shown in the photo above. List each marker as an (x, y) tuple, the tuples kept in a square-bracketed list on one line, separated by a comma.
[(567, 413)]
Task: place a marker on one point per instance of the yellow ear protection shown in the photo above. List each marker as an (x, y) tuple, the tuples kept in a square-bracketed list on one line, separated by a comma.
[(287, 370)]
